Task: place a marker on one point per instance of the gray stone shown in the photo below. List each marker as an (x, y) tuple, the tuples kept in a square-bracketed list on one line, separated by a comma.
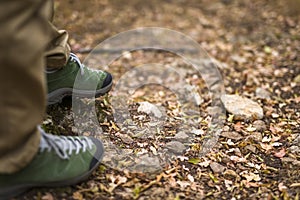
[(175, 147), (181, 136), (216, 167), (259, 125), (197, 131), (262, 93), (251, 148), (147, 164), (149, 108), (231, 135), (242, 108)]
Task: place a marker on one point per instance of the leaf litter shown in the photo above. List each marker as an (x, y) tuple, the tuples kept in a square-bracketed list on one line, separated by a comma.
[(257, 47)]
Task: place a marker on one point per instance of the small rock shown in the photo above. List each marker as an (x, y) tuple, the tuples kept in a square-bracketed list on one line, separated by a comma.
[(232, 135), (197, 131), (175, 147), (275, 115), (216, 167), (262, 93), (215, 110), (259, 125), (226, 128), (225, 160), (147, 164), (251, 148), (126, 138), (238, 59), (181, 136), (149, 108), (242, 108)]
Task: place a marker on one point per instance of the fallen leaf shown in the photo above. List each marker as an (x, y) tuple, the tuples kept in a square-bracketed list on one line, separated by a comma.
[(213, 178), (295, 185), (275, 129), (77, 196), (238, 127), (238, 159), (194, 161), (280, 153), (251, 177), (183, 184), (191, 178), (204, 164), (282, 187), (266, 147)]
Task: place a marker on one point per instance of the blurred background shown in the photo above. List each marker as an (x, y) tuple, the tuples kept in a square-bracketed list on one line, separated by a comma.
[(234, 21)]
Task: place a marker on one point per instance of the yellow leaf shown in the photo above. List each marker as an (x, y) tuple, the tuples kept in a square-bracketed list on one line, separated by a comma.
[(77, 196), (295, 185)]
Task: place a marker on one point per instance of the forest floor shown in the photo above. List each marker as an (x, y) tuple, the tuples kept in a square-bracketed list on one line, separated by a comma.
[(256, 45)]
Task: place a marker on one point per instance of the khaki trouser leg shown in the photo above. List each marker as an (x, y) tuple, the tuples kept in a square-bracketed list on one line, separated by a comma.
[(24, 35), (58, 50)]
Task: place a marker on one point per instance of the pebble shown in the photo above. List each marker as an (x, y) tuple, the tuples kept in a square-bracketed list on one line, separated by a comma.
[(147, 164), (175, 147), (242, 108), (181, 136), (149, 108), (251, 148), (231, 135), (259, 125), (262, 93), (216, 167), (197, 131)]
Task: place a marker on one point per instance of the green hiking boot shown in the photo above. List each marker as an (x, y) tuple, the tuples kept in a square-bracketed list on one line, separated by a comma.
[(61, 161), (89, 83)]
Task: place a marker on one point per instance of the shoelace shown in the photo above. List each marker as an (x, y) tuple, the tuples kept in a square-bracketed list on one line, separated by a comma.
[(74, 58), (63, 145)]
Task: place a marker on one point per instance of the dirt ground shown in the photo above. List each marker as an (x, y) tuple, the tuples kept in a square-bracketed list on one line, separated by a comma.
[(256, 44)]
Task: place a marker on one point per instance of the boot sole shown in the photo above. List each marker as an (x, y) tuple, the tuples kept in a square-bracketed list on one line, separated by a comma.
[(14, 191), (8, 193), (58, 95)]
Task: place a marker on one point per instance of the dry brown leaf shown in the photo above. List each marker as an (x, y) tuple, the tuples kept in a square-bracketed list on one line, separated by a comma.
[(238, 127), (266, 147), (77, 196), (280, 153), (238, 159)]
